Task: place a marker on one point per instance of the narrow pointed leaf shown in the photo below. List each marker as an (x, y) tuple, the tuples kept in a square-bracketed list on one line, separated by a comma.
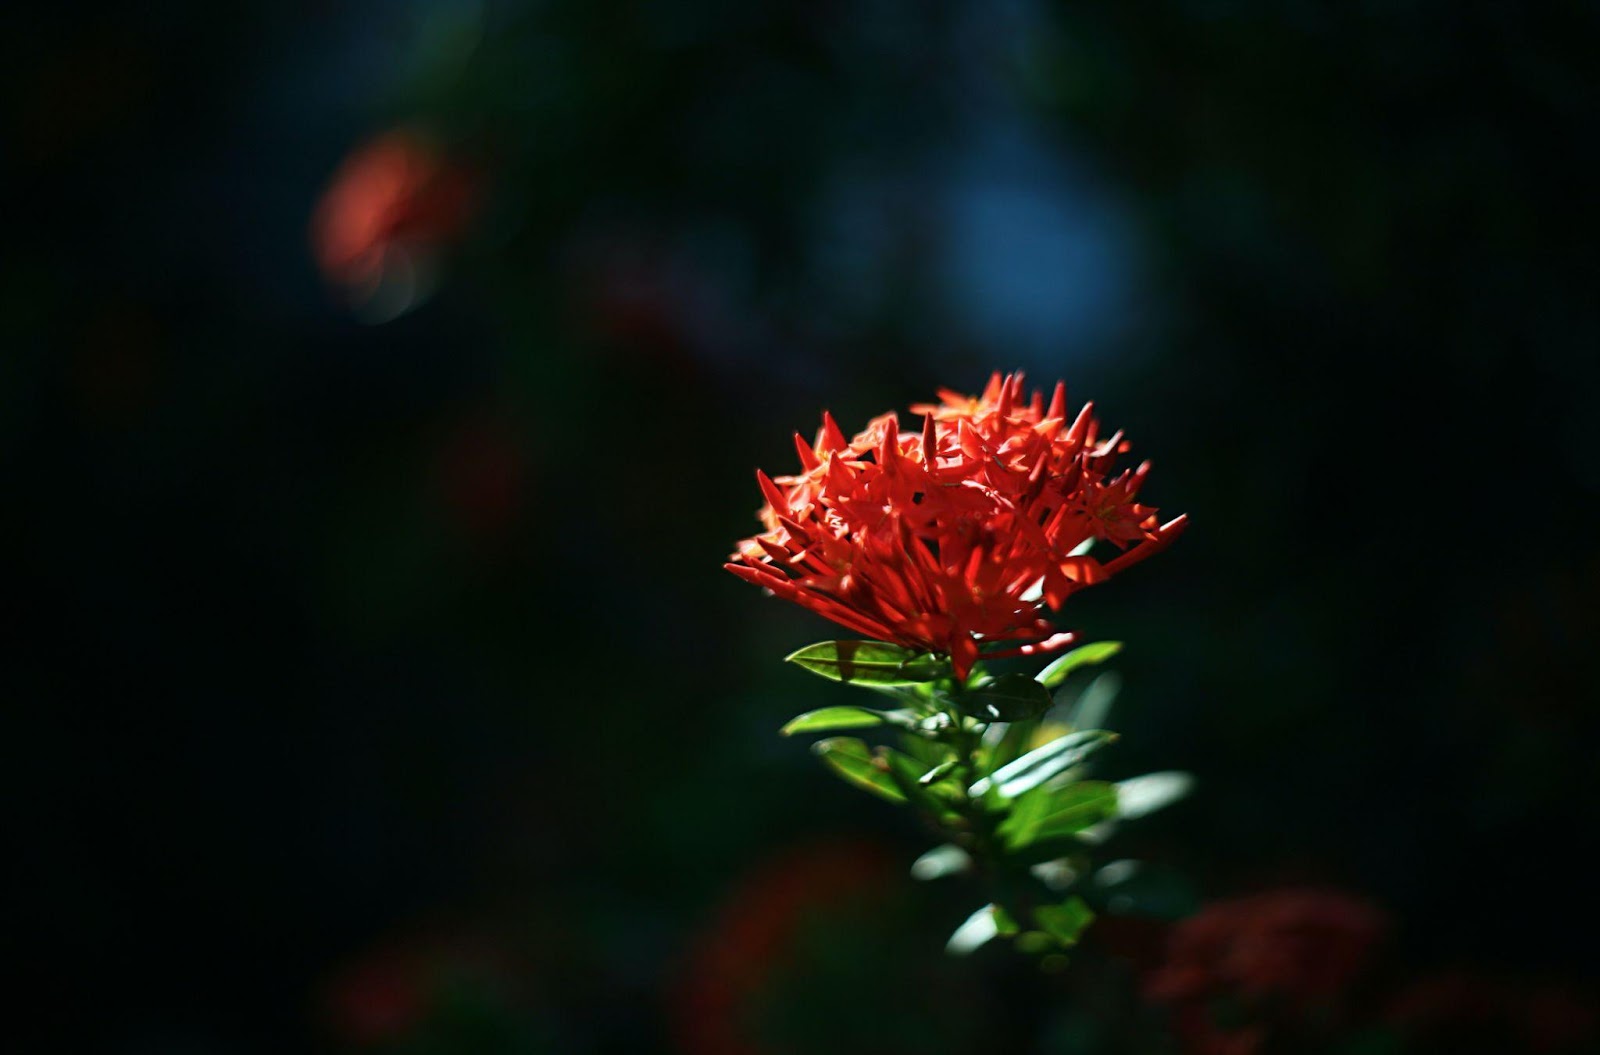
[(1040, 764), (829, 718), (1009, 698), (868, 663), (1138, 796), (1094, 702), (941, 861), (1059, 670), (979, 929), (1007, 741), (853, 762)]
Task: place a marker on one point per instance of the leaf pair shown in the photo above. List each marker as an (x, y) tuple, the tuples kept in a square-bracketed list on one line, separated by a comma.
[(1055, 813), (1039, 765)]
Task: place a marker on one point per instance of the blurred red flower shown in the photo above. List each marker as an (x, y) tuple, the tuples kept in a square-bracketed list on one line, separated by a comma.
[(758, 932), (1465, 1012), (958, 536), (394, 200), (393, 993), (1274, 960)]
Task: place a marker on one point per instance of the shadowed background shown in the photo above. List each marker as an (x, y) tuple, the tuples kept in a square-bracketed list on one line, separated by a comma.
[(383, 387)]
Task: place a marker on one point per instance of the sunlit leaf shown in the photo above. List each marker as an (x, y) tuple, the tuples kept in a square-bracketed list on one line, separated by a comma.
[(1138, 796), (1094, 702), (853, 762), (829, 718), (1006, 741), (1051, 813), (869, 663), (1009, 698), (1040, 764), (979, 929), (941, 861), (1056, 873), (1059, 670)]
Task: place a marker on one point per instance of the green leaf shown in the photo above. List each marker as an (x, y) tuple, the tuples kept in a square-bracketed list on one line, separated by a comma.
[(990, 921), (941, 861), (1040, 764), (853, 762), (1094, 702), (1138, 796), (829, 718), (924, 749), (907, 773), (869, 663), (1059, 670), (938, 772), (1009, 698), (1006, 741), (1051, 813), (1022, 817), (1034, 942), (980, 928), (1065, 922)]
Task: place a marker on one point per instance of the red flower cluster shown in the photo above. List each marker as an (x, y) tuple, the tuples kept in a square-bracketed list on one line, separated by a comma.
[(1279, 959), (956, 537)]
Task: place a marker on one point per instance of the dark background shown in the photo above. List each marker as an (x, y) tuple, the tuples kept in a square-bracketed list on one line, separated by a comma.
[(353, 639)]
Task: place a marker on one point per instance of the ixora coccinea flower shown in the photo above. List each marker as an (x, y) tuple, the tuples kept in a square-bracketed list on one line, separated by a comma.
[(948, 546), (953, 538)]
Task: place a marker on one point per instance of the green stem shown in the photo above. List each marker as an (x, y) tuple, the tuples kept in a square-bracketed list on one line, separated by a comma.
[(966, 742)]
